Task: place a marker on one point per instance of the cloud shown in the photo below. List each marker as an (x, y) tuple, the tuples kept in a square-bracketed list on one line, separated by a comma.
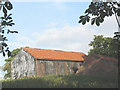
[(21, 41), (68, 38), (107, 28), (75, 38)]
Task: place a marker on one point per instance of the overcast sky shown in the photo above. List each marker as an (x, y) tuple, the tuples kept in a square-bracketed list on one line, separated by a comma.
[(54, 25)]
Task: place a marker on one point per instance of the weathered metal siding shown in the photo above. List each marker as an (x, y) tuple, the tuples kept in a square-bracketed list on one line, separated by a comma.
[(22, 65), (25, 65), (55, 67)]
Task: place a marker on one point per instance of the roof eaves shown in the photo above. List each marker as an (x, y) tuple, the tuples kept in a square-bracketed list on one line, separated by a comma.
[(60, 60)]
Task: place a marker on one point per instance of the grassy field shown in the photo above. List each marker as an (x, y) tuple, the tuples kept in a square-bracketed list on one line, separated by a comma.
[(62, 81)]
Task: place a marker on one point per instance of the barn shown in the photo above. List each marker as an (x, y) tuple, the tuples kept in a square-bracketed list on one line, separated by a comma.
[(33, 61)]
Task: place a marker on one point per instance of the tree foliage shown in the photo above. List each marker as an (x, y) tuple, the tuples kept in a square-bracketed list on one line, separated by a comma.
[(97, 11), (96, 14), (5, 21), (7, 65), (105, 46)]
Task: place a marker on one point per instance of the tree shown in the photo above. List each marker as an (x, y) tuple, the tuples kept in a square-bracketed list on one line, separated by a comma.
[(97, 11), (104, 46), (7, 66), (100, 10), (5, 21)]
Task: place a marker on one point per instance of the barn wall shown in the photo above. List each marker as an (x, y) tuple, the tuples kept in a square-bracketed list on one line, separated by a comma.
[(25, 65), (22, 65), (55, 67)]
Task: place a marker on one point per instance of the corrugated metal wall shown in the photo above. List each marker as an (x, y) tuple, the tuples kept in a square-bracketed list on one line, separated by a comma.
[(55, 67)]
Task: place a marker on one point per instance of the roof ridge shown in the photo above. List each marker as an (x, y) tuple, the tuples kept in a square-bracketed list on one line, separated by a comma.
[(56, 50)]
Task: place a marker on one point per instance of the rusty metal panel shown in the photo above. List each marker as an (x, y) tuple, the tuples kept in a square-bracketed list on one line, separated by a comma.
[(42, 68), (49, 67), (68, 67), (38, 68), (36, 62), (58, 68), (35, 66), (65, 67), (46, 68), (55, 67), (71, 67), (62, 70)]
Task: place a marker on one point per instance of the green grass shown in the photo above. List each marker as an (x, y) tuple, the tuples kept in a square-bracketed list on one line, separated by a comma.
[(62, 81)]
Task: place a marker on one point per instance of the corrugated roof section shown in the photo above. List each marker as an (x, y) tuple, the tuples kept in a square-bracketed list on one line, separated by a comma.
[(55, 54)]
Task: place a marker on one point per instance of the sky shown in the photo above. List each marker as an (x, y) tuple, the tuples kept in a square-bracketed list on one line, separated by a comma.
[(54, 25)]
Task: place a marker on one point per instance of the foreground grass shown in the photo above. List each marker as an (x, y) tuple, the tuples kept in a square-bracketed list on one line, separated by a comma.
[(62, 81)]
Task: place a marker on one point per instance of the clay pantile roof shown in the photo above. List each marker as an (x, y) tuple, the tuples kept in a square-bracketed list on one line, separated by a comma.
[(55, 54)]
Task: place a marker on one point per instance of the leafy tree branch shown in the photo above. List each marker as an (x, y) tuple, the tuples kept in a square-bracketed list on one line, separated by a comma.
[(5, 21)]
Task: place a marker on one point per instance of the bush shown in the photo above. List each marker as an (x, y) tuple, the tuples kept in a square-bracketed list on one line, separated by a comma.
[(62, 81)]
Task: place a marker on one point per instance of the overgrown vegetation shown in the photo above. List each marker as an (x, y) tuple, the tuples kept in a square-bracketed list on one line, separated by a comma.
[(62, 81)]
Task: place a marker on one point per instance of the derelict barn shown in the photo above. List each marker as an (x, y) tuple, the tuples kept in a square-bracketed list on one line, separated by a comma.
[(39, 62)]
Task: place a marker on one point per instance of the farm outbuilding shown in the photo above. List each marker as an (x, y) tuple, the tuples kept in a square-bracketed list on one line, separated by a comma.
[(39, 62)]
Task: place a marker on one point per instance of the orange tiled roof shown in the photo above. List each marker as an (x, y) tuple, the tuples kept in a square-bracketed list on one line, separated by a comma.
[(55, 54)]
